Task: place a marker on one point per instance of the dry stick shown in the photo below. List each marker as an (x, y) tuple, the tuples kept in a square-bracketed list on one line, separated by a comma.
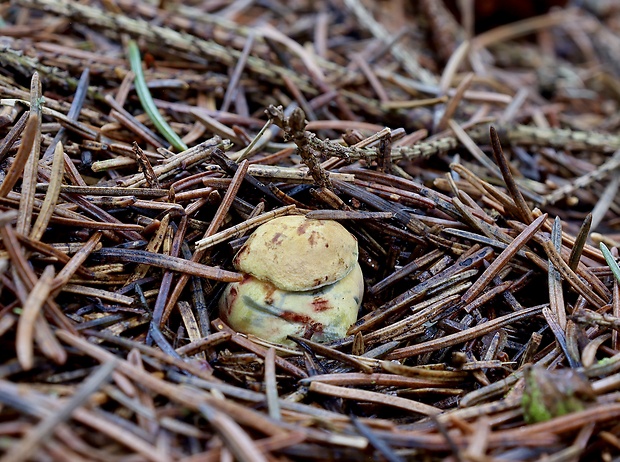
[(107, 191), (560, 336), (48, 344), (51, 196), (172, 248), (244, 342), (294, 129), (580, 241), (464, 335), (188, 397), (331, 353), (236, 76), (237, 441), (144, 166), (257, 143), (573, 279), (507, 254), (204, 343), (590, 284), (215, 224), (486, 189), (397, 304), (189, 320), (130, 122), (11, 137), (519, 28), (238, 230), (515, 193), (384, 154), (216, 126), (348, 215), (454, 102), (406, 57), (29, 177), (374, 82), (179, 160), (556, 296), (301, 175), (17, 167), (97, 293), (151, 425), (473, 148), (605, 200), (74, 112), (271, 386), (27, 275), (73, 125), (585, 180), (374, 397), (158, 354), (76, 261), (121, 23), (313, 70), (37, 435), (586, 316), (30, 311), (153, 246), (402, 272), (187, 267), (615, 310)]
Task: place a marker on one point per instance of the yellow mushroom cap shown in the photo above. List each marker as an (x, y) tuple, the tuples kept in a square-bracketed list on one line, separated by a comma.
[(295, 253)]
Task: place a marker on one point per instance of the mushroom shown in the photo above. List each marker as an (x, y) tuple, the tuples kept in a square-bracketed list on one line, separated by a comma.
[(301, 277)]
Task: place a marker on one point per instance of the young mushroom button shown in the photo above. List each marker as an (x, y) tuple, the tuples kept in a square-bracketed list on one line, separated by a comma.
[(301, 277)]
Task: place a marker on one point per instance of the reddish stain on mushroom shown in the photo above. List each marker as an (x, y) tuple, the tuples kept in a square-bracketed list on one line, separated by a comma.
[(297, 317), (320, 304), (230, 299), (246, 278), (319, 281), (314, 238), (277, 239), (301, 229), (245, 250), (233, 293)]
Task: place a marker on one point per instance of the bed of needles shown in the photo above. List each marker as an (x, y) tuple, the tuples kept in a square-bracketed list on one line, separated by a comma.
[(477, 166)]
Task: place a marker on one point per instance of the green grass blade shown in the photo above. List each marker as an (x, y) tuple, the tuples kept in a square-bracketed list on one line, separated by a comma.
[(147, 100), (611, 261)]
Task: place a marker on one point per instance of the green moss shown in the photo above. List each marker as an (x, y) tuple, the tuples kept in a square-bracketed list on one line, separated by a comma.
[(605, 361), (534, 408)]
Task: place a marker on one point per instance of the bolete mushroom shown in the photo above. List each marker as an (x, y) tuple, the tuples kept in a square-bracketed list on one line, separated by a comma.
[(301, 277)]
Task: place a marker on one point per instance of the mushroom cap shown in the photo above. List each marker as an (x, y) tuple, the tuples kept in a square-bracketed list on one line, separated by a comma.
[(296, 253), (259, 308)]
